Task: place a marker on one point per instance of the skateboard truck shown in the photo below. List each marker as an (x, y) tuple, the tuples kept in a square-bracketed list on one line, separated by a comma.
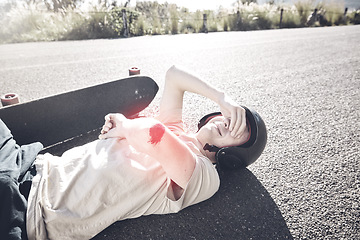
[(9, 99), (134, 71)]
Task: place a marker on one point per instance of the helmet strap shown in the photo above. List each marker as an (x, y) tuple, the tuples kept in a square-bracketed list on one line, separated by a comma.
[(210, 148)]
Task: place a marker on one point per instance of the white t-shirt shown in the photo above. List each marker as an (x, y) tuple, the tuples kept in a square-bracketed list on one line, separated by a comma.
[(88, 188)]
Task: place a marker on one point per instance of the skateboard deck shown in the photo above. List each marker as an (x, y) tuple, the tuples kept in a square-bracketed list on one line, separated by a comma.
[(57, 118)]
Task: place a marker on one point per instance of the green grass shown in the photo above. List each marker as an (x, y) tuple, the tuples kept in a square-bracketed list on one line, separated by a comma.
[(35, 22)]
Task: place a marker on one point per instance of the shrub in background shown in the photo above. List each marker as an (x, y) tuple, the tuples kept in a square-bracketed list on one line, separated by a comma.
[(32, 22), (333, 13), (174, 22), (36, 21), (290, 18), (304, 9), (355, 17)]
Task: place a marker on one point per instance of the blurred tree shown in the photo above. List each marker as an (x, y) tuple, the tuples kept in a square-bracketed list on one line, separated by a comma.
[(56, 5)]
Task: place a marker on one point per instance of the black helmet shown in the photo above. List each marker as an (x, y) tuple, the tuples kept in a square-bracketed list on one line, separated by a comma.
[(245, 154)]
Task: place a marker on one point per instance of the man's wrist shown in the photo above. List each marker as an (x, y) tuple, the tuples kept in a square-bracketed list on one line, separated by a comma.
[(220, 97)]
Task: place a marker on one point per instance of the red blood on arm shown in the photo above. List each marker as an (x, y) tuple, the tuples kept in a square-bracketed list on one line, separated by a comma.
[(156, 133)]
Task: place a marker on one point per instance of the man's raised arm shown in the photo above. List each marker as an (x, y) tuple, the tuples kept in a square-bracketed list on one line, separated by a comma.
[(177, 81)]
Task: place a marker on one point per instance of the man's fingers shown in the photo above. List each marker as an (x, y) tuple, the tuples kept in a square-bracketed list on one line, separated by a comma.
[(237, 123), (101, 136), (233, 121), (242, 125), (107, 126), (111, 125), (105, 129), (109, 120), (110, 134)]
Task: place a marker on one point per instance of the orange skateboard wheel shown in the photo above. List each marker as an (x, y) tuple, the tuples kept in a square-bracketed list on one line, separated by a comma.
[(134, 71), (9, 99)]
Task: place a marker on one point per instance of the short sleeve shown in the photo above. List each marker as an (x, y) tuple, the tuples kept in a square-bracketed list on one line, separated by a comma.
[(203, 184), (172, 120)]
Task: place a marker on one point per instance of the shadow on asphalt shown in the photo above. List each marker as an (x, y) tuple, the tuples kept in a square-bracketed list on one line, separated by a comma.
[(241, 209)]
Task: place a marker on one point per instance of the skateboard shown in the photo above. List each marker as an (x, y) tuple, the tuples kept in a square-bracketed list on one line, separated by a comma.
[(59, 118)]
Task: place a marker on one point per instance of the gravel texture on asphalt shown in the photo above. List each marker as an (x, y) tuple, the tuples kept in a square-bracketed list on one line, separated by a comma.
[(304, 82)]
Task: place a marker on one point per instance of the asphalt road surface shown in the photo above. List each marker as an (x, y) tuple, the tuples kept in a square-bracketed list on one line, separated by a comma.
[(304, 82)]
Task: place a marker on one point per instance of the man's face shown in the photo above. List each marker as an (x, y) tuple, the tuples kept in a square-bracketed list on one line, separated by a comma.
[(217, 133)]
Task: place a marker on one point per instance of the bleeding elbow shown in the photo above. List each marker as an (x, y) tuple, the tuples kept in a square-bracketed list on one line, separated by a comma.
[(156, 133)]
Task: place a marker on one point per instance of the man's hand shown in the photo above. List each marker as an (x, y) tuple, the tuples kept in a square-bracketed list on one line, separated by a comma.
[(113, 126), (235, 116)]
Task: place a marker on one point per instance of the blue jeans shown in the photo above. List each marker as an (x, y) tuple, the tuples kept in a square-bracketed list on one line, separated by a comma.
[(16, 172)]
